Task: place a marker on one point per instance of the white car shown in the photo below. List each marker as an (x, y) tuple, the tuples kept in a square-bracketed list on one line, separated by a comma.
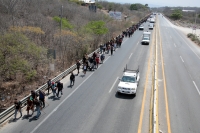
[(129, 82), (141, 27)]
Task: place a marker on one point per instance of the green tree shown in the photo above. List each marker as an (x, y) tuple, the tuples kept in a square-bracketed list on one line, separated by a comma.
[(146, 5), (96, 27), (65, 22), (99, 6), (133, 7), (176, 14)]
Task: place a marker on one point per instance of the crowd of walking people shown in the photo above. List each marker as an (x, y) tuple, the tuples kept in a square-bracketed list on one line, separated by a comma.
[(37, 100)]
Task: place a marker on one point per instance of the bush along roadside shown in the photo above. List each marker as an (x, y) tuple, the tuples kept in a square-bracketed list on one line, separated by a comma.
[(194, 38)]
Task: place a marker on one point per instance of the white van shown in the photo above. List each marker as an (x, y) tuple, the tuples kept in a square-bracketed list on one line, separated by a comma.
[(151, 25), (146, 38)]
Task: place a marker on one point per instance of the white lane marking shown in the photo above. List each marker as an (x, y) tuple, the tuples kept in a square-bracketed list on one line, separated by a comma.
[(138, 43), (130, 56), (113, 84), (182, 59), (196, 87), (59, 105), (174, 44)]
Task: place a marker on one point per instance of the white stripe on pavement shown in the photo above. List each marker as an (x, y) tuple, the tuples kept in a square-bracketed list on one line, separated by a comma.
[(174, 44), (130, 55), (196, 87), (113, 84), (182, 59)]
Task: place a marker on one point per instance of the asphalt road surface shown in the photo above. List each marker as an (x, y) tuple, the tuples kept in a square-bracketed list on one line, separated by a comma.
[(181, 94), (92, 104)]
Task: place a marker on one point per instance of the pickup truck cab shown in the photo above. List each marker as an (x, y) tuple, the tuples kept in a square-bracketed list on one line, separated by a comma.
[(129, 82)]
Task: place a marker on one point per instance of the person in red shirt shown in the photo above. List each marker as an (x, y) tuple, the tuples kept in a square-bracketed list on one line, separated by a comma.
[(97, 61)]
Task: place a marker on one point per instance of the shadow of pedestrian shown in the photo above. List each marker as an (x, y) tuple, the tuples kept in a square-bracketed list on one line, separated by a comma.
[(69, 86), (51, 97), (33, 119), (26, 117), (13, 120)]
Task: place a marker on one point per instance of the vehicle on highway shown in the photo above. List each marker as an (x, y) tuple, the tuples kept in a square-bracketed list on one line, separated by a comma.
[(146, 38), (141, 27), (152, 20), (151, 25), (129, 82)]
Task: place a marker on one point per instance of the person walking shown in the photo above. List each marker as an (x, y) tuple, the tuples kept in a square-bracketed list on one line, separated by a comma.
[(30, 105), (42, 98), (97, 61), (72, 79), (78, 64), (18, 106), (102, 58), (38, 107), (60, 87), (84, 68), (54, 89), (111, 50), (49, 85)]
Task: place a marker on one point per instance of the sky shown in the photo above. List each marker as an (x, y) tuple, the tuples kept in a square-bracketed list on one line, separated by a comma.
[(157, 3)]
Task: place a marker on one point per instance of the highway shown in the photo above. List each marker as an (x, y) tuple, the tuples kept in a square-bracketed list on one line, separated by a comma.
[(178, 80), (92, 104)]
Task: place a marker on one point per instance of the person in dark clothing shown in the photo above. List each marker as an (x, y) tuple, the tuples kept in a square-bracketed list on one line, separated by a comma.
[(111, 50), (72, 79), (18, 106), (42, 97), (78, 64), (49, 85), (60, 87)]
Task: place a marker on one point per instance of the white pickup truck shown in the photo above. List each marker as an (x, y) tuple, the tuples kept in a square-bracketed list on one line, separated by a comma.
[(129, 82)]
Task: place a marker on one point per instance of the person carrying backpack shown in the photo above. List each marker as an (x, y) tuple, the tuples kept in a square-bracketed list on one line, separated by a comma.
[(60, 87), (42, 97), (18, 106)]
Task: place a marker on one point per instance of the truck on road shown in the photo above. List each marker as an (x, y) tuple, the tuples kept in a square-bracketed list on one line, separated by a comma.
[(146, 38), (129, 82)]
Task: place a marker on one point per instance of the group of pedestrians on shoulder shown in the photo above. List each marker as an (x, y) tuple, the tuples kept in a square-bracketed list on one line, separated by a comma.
[(34, 101)]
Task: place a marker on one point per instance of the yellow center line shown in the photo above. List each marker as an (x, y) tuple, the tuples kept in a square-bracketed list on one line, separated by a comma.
[(165, 90), (144, 95), (157, 126)]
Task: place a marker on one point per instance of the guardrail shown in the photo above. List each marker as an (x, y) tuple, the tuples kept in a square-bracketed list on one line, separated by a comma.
[(10, 111)]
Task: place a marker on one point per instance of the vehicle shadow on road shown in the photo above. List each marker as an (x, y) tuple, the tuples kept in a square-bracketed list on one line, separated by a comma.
[(124, 96)]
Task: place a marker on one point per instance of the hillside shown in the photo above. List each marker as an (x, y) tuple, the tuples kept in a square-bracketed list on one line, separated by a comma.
[(32, 35)]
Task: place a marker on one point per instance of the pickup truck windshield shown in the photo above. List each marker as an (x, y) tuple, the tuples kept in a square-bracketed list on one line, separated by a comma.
[(146, 38), (128, 79)]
